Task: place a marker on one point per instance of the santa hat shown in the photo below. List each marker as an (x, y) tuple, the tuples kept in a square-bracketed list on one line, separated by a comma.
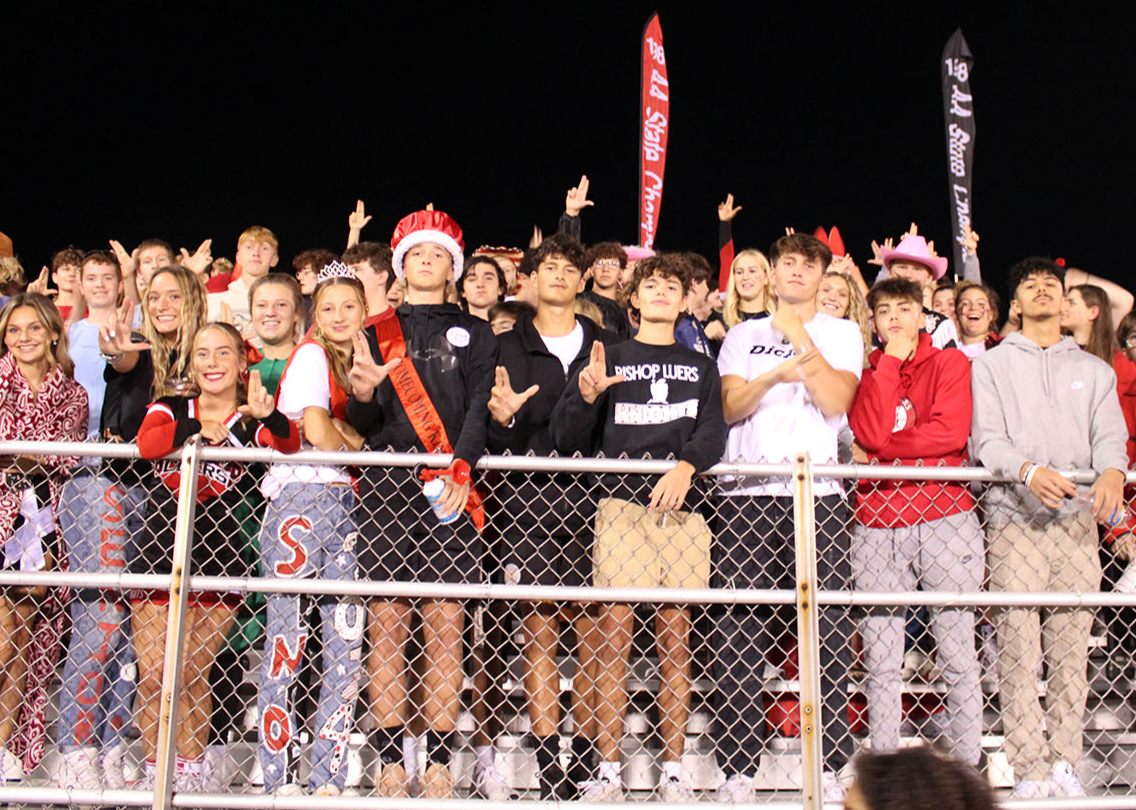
[(914, 248), (427, 226)]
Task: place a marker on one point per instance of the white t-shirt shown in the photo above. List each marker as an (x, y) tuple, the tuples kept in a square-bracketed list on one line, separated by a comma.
[(83, 345), (237, 297), (566, 347), (304, 386), (787, 420), (972, 350)]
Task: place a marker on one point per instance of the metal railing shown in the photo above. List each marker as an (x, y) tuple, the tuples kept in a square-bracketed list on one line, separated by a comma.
[(805, 596)]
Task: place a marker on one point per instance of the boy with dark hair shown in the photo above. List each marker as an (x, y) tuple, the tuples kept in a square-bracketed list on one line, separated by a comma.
[(605, 261), (786, 383), (647, 398), (1043, 406), (371, 263), (542, 524), (913, 260), (65, 266), (505, 314), (483, 285), (691, 331), (307, 265), (429, 394), (913, 408)]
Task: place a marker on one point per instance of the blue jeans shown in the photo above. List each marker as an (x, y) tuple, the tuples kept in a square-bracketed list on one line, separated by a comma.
[(308, 531), (100, 521)]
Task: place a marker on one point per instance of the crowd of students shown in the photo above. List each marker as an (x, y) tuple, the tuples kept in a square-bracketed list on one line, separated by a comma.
[(413, 346)]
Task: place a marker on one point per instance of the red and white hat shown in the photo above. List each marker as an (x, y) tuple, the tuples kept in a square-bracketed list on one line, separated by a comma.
[(914, 249), (427, 226)]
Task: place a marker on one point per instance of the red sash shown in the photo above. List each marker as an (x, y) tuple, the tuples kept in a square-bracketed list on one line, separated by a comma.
[(419, 408)]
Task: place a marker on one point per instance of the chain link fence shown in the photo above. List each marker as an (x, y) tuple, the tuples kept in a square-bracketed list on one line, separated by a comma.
[(328, 639)]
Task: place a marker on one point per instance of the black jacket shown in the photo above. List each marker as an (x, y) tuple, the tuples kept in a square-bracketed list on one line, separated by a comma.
[(524, 355), (454, 355)]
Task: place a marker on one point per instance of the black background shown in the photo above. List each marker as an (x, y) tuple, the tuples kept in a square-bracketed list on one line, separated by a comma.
[(132, 123)]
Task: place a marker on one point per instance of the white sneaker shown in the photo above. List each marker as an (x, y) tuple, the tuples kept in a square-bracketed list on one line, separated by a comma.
[(1065, 781), (914, 663), (1030, 789), (833, 787), (674, 791), (220, 768), (112, 763), (290, 789), (79, 768), (737, 789), (602, 790), (186, 782), (11, 769), (489, 783), (327, 790)]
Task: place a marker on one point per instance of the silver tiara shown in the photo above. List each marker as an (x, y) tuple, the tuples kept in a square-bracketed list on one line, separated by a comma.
[(335, 270)]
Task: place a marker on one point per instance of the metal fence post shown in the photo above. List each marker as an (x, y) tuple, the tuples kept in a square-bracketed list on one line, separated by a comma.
[(808, 641), (175, 627)]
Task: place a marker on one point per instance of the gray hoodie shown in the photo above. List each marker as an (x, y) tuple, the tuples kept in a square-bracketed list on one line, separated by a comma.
[(1057, 407)]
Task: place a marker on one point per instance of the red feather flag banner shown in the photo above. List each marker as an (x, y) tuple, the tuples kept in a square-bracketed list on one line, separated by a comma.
[(654, 121)]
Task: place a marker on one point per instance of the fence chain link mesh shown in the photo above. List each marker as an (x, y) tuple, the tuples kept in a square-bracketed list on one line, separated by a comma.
[(304, 651)]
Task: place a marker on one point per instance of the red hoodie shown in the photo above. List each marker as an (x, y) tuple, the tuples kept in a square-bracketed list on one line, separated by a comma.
[(914, 413)]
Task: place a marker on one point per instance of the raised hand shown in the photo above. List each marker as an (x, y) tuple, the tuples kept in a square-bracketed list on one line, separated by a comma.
[(41, 282), (594, 379), (261, 404), (357, 220), (128, 262), (504, 402), (115, 338), (842, 265), (536, 238), (912, 231), (365, 374), (789, 230), (577, 198), (225, 314), (970, 242), (877, 253), (200, 260), (727, 210)]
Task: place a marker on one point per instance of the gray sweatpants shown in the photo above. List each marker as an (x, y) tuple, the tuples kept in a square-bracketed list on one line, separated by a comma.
[(941, 555)]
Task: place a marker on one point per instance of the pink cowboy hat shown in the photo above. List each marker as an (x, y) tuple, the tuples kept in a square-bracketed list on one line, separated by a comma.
[(914, 249)]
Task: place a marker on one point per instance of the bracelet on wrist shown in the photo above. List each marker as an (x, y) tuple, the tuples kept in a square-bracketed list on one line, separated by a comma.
[(112, 358)]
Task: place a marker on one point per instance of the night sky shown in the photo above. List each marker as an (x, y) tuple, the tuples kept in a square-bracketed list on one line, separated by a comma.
[(197, 123)]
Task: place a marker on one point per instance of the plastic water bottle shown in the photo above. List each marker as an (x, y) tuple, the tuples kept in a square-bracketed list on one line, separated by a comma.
[(434, 490), (1127, 581)]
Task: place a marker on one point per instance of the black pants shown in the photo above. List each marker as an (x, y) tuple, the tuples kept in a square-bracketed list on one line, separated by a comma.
[(755, 549)]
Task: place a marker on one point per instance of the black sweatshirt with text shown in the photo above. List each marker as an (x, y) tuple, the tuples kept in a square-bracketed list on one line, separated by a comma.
[(669, 406)]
